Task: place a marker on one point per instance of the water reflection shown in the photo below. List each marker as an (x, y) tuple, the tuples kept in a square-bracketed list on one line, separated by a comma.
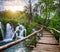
[(18, 48)]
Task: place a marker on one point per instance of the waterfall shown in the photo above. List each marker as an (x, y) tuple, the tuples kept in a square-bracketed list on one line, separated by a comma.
[(21, 31), (0, 25), (9, 33), (2, 36)]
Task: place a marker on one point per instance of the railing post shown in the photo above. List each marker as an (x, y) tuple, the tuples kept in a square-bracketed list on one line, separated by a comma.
[(59, 40), (52, 32), (41, 32), (35, 40)]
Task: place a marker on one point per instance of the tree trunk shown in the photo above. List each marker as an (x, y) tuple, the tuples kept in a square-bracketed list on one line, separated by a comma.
[(30, 11), (46, 16), (59, 9)]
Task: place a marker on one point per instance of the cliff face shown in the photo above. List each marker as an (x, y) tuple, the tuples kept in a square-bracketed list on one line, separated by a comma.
[(1, 37)]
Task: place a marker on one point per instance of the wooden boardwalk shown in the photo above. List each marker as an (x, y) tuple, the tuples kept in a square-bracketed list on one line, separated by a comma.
[(47, 43)]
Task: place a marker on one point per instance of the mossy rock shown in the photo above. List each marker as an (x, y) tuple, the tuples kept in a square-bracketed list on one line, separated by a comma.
[(1, 38)]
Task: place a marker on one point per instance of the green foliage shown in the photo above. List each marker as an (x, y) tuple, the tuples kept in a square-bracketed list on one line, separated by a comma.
[(38, 19), (55, 22), (29, 29), (7, 20), (30, 41), (30, 26), (47, 7)]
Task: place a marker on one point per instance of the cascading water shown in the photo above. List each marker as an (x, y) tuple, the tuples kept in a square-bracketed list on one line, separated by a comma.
[(21, 31), (9, 33), (0, 25), (9, 36)]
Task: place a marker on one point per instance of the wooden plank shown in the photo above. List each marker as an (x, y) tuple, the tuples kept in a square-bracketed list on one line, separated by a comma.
[(48, 43), (46, 48), (48, 40)]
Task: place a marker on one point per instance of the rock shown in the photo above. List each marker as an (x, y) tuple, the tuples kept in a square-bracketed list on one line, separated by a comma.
[(1, 37)]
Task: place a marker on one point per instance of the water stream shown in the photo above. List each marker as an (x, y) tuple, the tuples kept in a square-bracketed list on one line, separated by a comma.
[(18, 48), (9, 33), (20, 32)]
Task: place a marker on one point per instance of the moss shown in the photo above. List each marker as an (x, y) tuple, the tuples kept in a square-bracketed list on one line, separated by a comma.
[(1, 35), (5, 21)]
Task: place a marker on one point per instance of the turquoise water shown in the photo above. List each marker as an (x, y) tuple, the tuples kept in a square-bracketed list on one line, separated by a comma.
[(21, 47)]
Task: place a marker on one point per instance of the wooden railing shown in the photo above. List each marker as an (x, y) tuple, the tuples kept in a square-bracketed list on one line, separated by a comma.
[(57, 31), (52, 30), (20, 40)]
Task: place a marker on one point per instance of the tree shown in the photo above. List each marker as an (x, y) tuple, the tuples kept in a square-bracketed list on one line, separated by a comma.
[(28, 9)]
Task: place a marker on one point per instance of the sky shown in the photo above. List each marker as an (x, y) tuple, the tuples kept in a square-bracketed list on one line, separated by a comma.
[(14, 5)]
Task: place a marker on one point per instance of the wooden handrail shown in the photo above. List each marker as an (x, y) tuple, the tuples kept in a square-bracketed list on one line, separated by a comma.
[(53, 32), (56, 30), (18, 41), (52, 29)]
